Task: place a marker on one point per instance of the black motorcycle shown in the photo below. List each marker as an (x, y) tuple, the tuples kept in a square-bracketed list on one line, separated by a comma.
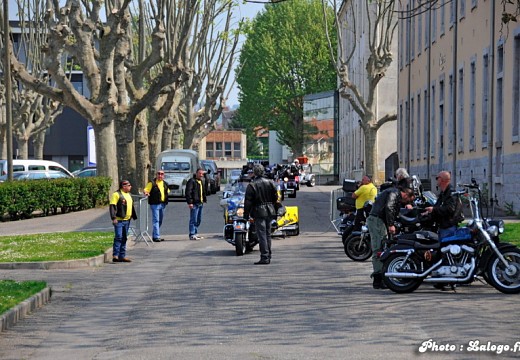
[(474, 250)]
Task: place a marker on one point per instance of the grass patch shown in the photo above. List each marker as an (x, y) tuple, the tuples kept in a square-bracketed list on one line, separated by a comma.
[(511, 234), (13, 292), (54, 246)]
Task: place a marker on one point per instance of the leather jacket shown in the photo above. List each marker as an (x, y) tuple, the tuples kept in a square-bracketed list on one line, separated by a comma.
[(447, 211), (387, 206), (260, 199), (193, 191)]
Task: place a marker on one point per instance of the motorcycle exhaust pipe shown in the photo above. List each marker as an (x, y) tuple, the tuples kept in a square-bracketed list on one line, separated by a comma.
[(413, 275), (453, 280)]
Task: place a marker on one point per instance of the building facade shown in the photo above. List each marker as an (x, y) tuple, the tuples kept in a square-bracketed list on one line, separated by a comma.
[(355, 38), (459, 94)]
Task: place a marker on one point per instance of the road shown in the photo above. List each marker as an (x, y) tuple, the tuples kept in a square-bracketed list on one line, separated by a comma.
[(184, 299)]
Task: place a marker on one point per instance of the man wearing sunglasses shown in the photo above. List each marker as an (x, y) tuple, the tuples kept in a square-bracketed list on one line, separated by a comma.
[(157, 192)]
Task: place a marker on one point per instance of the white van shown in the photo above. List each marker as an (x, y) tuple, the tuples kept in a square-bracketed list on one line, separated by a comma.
[(178, 165), (28, 165)]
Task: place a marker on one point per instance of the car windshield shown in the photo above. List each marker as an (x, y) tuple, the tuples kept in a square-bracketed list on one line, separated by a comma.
[(236, 172), (175, 166)]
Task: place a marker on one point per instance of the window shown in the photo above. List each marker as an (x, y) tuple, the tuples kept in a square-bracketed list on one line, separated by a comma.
[(425, 121), (432, 121), (227, 149), (462, 13), (412, 49), (473, 4), (453, 8), (434, 23), (485, 99), (408, 24), (441, 114), (427, 30), (237, 153), (209, 150), (418, 153), (500, 96), (412, 129), (451, 114), (419, 30), (516, 87), (443, 16), (472, 105), (218, 150), (460, 115)]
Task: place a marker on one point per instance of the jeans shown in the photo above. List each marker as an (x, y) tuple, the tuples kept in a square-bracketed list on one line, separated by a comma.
[(120, 232), (157, 218), (195, 218), (263, 231)]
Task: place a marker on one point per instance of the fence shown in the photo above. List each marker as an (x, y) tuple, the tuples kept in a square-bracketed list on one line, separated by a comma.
[(140, 228)]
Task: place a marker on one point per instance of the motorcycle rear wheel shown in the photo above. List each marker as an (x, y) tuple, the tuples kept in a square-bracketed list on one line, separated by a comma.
[(358, 248), (396, 263), (505, 279), (240, 244)]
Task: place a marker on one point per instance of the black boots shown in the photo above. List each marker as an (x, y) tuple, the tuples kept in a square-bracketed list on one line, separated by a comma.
[(378, 281)]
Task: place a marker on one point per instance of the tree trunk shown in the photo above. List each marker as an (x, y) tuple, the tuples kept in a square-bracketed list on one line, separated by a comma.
[(126, 151), (142, 151), (106, 150), (38, 143), (370, 165), (23, 148), (3, 142)]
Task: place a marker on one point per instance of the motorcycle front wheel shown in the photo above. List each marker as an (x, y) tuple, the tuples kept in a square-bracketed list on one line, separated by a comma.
[(505, 279), (398, 263), (357, 247), (240, 244)]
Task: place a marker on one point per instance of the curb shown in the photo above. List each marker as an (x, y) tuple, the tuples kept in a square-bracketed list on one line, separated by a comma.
[(20, 311), (65, 264)]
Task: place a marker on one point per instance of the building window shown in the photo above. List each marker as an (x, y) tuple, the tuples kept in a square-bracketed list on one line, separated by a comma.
[(460, 115), (412, 128), (426, 129), (237, 153), (472, 105), (401, 129), (453, 7), (227, 149), (473, 4), (418, 153), (441, 116), (408, 24), (427, 30), (218, 150), (412, 55), (419, 30), (209, 149), (432, 121), (451, 115), (434, 23), (462, 9), (485, 99), (443, 16), (516, 88), (500, 96)]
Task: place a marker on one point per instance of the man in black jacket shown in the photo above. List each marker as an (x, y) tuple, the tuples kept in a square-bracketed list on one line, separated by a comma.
[(380, 223), (195, 197), (157, 192), (447, 211), (260, 203)]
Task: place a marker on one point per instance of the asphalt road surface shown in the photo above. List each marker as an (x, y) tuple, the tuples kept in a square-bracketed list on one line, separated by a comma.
[(183, 299)]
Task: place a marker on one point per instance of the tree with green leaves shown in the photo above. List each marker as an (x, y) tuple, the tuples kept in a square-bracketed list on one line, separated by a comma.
[(284, 57)]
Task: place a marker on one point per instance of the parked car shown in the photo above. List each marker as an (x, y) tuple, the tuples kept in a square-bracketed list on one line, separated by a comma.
[(31, 164), (85, 172), (212, 174), (36, 175)]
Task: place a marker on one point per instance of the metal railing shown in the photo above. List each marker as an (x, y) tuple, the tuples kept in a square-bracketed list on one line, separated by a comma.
[(140, 228), (335, 215)]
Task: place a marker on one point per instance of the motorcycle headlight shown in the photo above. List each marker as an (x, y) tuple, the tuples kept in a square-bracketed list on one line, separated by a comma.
[(285, 179), (501, 226), (492, 231)]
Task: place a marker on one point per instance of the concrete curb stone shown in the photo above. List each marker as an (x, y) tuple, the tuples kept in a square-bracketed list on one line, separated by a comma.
[(20, 311)]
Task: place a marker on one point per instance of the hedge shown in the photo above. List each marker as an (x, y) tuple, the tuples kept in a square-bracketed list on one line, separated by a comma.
[(24, 198)]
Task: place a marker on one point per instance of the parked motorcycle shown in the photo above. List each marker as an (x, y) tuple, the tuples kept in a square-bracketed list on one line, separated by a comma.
[(474, 250), (358, 245)]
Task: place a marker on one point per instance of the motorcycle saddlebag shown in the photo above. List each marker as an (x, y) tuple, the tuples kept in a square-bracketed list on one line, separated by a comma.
[(346, 203)]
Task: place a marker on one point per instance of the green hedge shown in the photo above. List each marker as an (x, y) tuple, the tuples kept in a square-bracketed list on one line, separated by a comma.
[(19, 199)]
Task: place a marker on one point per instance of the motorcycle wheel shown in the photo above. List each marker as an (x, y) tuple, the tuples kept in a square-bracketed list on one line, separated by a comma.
[(346, 233), (396, 263), (240, 244), (505, 279), (311, 182), (358, 248)]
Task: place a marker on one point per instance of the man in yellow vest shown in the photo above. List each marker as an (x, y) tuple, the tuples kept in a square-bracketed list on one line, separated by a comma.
[(366, 191)]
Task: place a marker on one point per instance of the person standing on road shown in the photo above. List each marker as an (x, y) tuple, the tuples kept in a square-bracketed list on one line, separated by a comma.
[(366, 192), (380, 223), (260, 203), (195, 197), (157, 193), (121, 210)]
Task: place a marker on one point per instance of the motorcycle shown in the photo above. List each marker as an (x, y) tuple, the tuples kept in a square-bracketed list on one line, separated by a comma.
[(357, 244), (474, 250)]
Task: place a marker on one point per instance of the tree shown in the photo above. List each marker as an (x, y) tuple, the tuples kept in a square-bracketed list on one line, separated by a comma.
[(284, 58), (381, 24)]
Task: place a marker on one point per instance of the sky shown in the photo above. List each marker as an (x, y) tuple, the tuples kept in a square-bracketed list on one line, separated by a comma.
[(246, 10)]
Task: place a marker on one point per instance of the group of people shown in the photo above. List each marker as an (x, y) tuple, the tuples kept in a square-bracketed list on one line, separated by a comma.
[(122, 209)]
